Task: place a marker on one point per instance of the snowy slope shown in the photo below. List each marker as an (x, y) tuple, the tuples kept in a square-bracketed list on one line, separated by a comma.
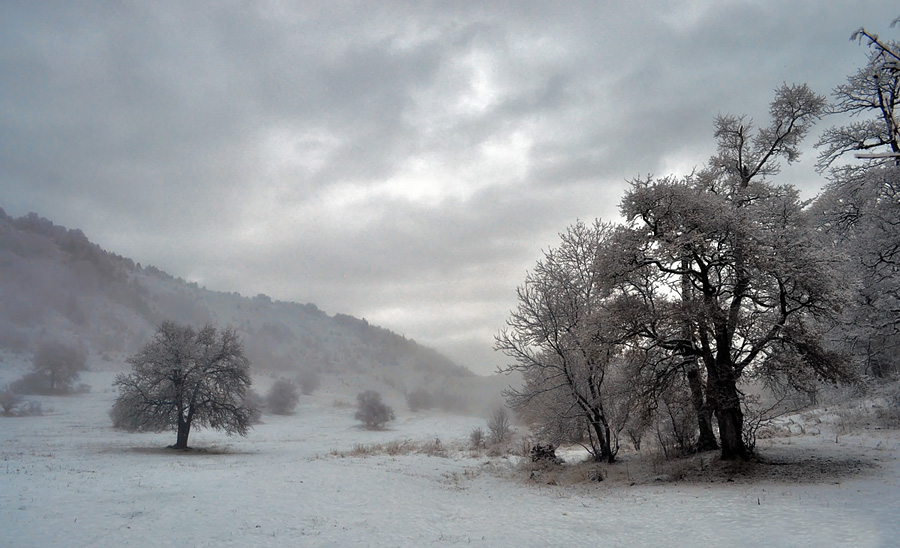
[(68, 479), (55, 284)]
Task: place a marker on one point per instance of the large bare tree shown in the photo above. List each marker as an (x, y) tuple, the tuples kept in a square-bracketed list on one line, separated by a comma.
[(186, 378), (729, 255), (563, 342), (859, 209)]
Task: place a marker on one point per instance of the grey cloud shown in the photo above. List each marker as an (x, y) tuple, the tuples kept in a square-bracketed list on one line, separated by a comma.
[(212, 139)]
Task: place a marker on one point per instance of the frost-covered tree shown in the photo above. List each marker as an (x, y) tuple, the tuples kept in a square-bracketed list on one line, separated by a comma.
[(859, 216), (499, 426), (55, 368), (186, 378), (563, 341), (283, 397), (371, 410), (859, 209), (870, 97), (732, 256)]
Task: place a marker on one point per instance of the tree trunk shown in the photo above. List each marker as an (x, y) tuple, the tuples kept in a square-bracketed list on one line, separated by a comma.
[(601, 429), (722, 393), (730, 425), (707, 439), (731, 422), (702, 407), (184, 429)]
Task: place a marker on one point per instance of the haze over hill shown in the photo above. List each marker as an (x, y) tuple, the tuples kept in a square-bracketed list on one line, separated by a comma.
[(56, 284)]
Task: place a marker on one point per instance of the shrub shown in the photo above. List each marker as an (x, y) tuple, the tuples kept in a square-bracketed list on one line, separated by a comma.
[(499, 428), (371, 410), (14, 405), (9, 400), (282, 397), (254, 402), (545, 453), (56, 367), (476, 437), (309, 382), (434, 448), (676, 424)]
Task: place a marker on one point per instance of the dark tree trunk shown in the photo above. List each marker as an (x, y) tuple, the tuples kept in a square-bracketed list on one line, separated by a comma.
[(722, 393), (707, 439), (184, 420), (702, 407), (730, 426), (601, 430), (731, 422), (184, 429)]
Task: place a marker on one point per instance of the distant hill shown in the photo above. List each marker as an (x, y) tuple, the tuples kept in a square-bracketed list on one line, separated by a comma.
[(57, 284)]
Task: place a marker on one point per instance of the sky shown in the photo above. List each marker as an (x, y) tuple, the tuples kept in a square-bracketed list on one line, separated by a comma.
[(403, 162)]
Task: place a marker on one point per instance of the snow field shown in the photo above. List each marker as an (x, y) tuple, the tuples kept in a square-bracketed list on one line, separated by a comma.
[(68, 479)]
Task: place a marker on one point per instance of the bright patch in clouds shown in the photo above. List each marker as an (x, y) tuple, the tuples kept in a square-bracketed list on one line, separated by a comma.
[(430, 180), (683, 163), (289, 152), (482, 90)]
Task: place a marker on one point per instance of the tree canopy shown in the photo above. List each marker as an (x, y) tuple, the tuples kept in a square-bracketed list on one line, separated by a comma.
[(714, 277), (186, 377)]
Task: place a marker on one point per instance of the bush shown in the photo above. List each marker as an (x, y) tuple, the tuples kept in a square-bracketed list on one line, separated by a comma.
[(56, 367), (309, 382), (14, 405), (282, 397), (122, 417), (254, 402), (676, 424), (499, 428), (371, 410), (476, 437), (9, 400)]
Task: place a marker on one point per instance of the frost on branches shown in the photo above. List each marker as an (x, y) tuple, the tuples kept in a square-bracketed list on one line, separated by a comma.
[(184, 378), (715, 278), (858, 213)]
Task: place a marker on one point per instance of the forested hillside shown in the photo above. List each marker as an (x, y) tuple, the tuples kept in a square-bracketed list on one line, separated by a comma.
[(55, 284)]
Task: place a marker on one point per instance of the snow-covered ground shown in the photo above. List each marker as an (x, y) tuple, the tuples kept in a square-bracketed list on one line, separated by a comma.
[(68, 479)]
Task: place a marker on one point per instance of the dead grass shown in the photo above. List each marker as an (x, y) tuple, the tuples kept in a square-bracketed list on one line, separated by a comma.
[(650, 468), (433, 447)]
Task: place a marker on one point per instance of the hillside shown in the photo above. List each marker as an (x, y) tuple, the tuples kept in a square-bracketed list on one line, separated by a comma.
[(56, 284)]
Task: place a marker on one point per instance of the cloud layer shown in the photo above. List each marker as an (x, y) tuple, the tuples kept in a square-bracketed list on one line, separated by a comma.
[(403, 162)]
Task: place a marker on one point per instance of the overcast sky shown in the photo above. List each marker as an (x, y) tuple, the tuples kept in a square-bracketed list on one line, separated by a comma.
[(405, 162)]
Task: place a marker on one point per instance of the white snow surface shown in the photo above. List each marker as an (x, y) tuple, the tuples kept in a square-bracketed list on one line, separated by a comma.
[(67, 478)]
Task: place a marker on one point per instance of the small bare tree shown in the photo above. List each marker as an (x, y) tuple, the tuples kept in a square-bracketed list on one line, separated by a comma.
[(563, 341), (282, 397), (499, 427), (55, 368), (372, 411)]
